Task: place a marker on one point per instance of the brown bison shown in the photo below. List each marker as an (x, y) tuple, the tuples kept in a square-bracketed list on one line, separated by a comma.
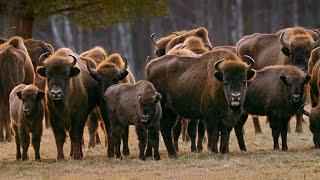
[(98, 54), (230, 48), (35, 49), (112, 71), (211, 87), (71, 95), (16, 68), (135, 104), (288, 46), (314, 58), (278, 93), (26, 112)]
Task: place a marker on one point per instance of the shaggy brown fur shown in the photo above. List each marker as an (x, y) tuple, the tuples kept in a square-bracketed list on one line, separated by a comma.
[(314, 58), (230, 48), (201, 33), (135, 104), (276, 92), (162, 43), (71, 95), (26, 111), (16, 68), (193, 88), (98, 54)]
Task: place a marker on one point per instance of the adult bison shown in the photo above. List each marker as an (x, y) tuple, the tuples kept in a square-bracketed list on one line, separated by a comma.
[(288, 46), (135, 104), (71, 95), (27, 112), (278, 93), (211, 87), (112, 71), (16, 68)]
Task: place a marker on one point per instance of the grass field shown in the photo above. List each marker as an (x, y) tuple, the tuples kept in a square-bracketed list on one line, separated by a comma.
[(302, 161)]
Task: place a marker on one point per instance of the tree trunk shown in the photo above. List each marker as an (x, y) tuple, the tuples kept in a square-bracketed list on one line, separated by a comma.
[(26, 27), (11, 19)]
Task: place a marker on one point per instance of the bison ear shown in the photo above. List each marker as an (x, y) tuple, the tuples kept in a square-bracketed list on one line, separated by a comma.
[(74, 71), (41, 71), (284, 79), (19, 94), (285, 51), (307, 78), (218, 75), (158, 97), (250, 74), (123, 75), (40, 95)]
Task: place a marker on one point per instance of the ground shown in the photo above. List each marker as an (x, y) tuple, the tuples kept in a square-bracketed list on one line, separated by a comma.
[(302, 161)]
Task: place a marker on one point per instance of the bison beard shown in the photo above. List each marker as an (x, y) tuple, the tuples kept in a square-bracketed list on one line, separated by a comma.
[(211, 90)]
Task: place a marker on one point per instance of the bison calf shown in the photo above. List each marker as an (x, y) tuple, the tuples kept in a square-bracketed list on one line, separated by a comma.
[(27, 111), (134, 104)]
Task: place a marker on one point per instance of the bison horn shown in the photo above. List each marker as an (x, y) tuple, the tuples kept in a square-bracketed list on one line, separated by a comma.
[(283, 43), (317, 43), (185, 45), (175, 33), (124, 68), (74, 60), (42, 58), (91, 71), (251, 61), (154, 42), (216, 65), (147, 59), (208, 46), (304, 111)]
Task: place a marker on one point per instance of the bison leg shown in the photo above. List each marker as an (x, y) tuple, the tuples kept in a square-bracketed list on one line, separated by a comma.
[(225, 136), (256, 123), (176, 133), (60, 137), (36, 138), (149, 146), (239, 132), (92, 124), (142, 137), (275, 126), (299, 118), (25, 138), (116, 139), (192, 131), (167, 122), (284, 134), (18, 146), (46, 115), (213, 135), (76, 134), (201, 132), (1, 129), (153, 133), (125, 139), (314, 97), (8, 127)]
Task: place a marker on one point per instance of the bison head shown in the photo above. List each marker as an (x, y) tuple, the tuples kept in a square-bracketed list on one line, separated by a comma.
[(295, 86), (108, 74), (58, 71), (30, 97), (147, 105), (299, 49), (234, 76), (315, 125)]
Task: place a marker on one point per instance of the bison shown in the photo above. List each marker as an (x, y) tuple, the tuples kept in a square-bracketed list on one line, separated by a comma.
[(278, 93), (71, 95), (135, 104), (112, 71), (16, 68), (211, 87), (98, 54), (26, 112), (288, 46)]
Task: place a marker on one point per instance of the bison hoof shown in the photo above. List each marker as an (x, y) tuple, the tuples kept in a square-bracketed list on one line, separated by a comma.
[(193, 149), (299, 131), (18, 157), (176, 147), (199, 148), (174, 156), (77, 157), (9, 139), (126, 152), (143, 158), (60, 157), (148, 153), (285, 149), (91, 144), (157, 157)]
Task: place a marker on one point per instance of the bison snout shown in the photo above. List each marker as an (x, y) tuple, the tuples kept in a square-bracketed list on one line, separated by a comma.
[(145, 118), (56, 94), (235, 99), (296, 98), (26, 112)]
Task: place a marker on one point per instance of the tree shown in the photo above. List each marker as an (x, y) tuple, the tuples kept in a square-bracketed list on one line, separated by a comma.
[(18, 16)]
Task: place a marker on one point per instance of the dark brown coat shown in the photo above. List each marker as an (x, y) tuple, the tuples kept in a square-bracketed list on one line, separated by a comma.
[(27, 111), (71, 96), (278, 93), (200, 88), (135, 104), (16, 68)]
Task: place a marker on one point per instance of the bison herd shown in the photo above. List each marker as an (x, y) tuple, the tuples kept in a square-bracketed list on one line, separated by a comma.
[(212, 88)]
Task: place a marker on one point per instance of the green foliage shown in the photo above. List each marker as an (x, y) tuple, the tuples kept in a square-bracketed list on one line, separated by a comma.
[(93, 13)]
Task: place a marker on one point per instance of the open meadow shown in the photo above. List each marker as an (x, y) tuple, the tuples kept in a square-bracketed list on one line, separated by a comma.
[(302, 161)]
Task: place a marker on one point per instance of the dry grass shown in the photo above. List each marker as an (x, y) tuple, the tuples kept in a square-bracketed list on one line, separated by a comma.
[(259, 162)]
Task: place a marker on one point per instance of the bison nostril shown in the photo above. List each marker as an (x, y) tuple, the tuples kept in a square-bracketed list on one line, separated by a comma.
[(26, 111)]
